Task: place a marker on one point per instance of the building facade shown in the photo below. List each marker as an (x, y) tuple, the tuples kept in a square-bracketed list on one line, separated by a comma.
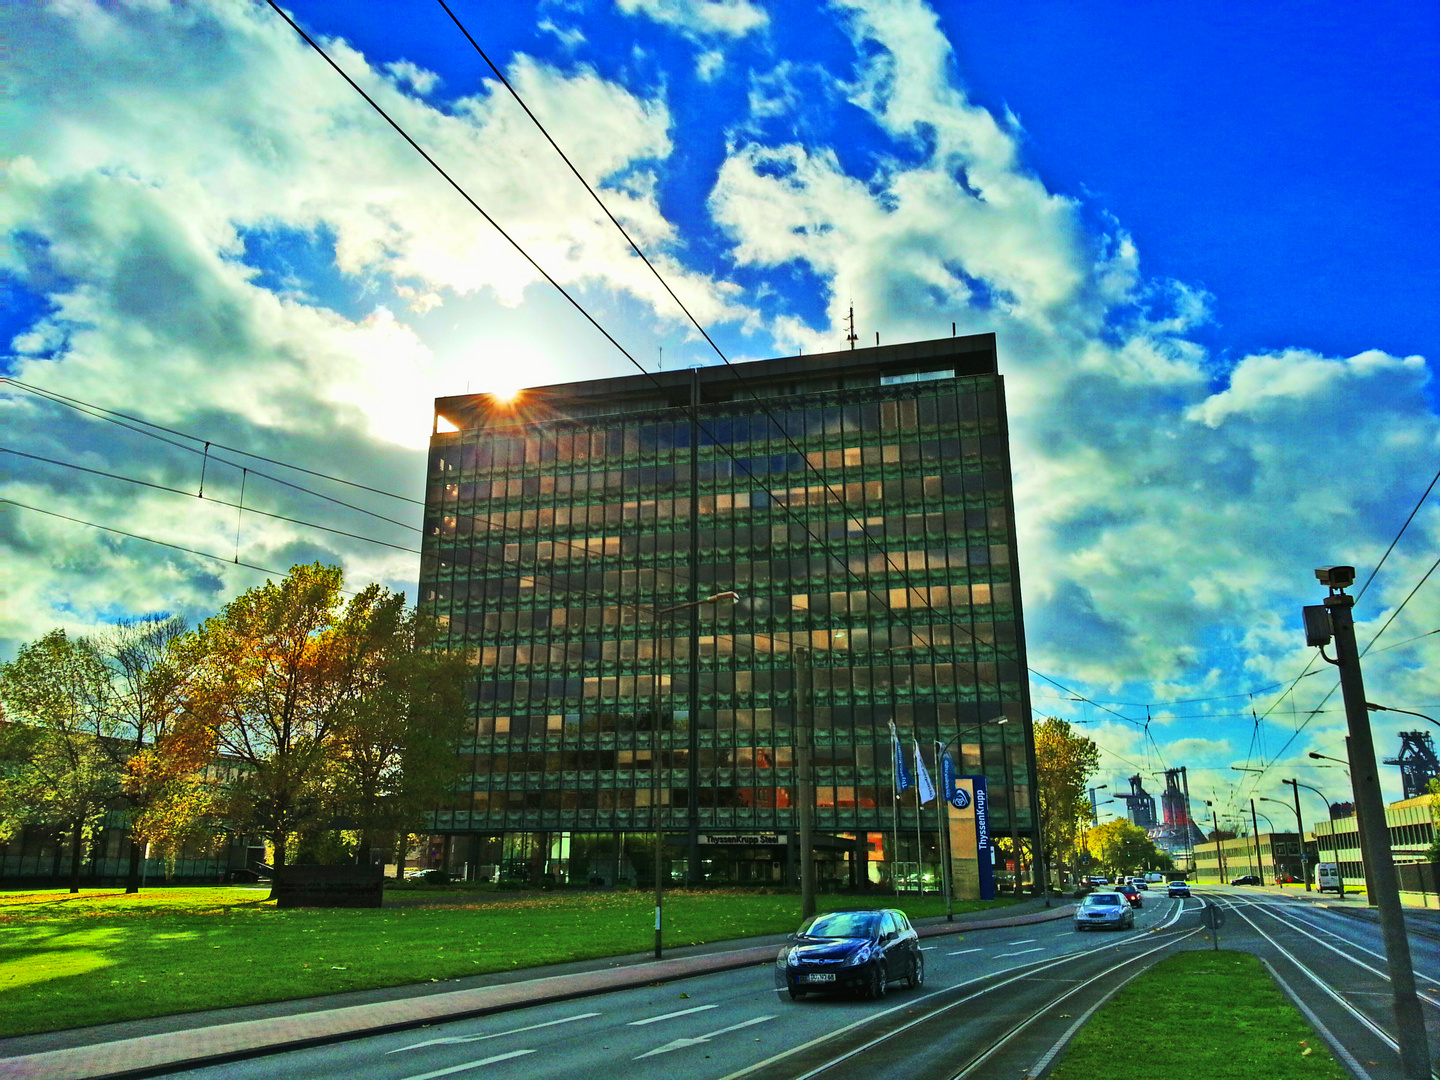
[(1268, 856), (859, 506)]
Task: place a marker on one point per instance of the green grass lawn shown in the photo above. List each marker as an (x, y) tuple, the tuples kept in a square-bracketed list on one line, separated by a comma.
[(1215, 1014), (70, 961)]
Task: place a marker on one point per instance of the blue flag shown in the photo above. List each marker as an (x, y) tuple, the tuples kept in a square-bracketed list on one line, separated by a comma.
[(927, 789), (947, 779), (903, 780)]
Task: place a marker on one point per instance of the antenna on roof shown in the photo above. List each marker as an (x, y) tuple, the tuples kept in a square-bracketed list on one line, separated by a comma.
[(850, 337), (662, 357)]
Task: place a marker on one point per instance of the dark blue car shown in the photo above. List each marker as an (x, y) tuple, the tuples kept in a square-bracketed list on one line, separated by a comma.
[(858, 952)]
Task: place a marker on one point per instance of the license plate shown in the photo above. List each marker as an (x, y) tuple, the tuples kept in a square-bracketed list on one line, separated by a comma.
[(825, 977), (1097, 916)]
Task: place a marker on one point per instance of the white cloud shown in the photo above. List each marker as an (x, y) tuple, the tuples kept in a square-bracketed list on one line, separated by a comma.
[(419, 80), (701, 18), (1161, 517), (180, 137)]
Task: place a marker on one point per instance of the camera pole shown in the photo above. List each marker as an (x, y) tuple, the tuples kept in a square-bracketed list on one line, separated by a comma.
[(1370, 807)]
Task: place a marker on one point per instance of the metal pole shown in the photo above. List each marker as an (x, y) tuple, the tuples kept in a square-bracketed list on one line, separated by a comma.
[(942, 824), (1300, 827), (1219, 845), (655, 788), (1259, 858), (1010, 799), (1189, 827), (919, 816), (1339, 873), (1409, 1021), (804, 738), (1366, 859)]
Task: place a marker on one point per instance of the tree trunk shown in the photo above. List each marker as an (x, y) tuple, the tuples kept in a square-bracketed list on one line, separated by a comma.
[(278, 865), (402, 848), (132, 878), (362, 856), (75, 856)]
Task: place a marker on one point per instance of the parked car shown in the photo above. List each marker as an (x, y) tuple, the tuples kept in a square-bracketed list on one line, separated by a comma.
[(1177, 888), (853, 951), (1287, 879), (1102, 909), (1246, 879), (1131, 894)]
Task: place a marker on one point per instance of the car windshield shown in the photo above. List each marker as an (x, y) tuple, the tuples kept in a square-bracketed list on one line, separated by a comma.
[(844, 924), (1104, 899)]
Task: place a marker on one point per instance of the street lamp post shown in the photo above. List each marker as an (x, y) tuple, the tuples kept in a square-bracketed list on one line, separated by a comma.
[(1300, 831), (1259, 857), (1336, 619), (1326, 799), (1219, 843), (1300, 825), (655, 711), (1390, 708)]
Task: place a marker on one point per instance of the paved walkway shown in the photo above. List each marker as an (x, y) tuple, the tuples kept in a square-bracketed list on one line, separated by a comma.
[(194, 1039)]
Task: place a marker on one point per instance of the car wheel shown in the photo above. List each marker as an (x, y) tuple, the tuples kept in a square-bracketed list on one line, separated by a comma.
[(916, 978), (879, 981)]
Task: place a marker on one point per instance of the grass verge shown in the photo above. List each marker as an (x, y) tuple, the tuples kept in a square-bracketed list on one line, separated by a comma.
[(1216, 1014), (99, 957)]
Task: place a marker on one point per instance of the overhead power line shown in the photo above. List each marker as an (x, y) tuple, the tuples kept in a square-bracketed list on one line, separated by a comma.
[(63, 399), (820, 543)]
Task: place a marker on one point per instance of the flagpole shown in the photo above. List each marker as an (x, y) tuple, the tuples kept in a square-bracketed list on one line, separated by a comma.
[(895, 753), (919, 814), (942, 835)]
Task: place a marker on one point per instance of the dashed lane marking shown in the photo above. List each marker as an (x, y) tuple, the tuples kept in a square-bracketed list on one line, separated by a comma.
[(670, 1015), (493, 1035), (1022, 952), (962, 952), (470, 1065), (681, 1044)]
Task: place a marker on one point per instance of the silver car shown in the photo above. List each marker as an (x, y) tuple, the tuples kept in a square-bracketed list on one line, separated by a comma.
[(1102, 909)]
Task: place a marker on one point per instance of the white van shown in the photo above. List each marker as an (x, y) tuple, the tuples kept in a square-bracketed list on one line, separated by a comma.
[(1327, 876), (1153, 877)]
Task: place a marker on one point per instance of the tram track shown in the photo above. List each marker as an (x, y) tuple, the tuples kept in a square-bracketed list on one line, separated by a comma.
[(939, 1045), (1348, 1011)]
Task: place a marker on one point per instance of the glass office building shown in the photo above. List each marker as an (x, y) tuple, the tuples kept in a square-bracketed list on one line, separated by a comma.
[(858, 503)]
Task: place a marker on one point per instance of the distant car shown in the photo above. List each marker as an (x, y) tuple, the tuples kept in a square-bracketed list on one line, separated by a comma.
[(853, 951), (1131, 894), (1154, 877), (1246, 879), (1099, 880), (1139, 883), (1327, 877), (1177, 888), (1287, 879), (425, 874), (1102, 909)]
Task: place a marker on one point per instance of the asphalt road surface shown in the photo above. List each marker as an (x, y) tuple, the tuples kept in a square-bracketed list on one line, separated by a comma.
[(996, 1003)]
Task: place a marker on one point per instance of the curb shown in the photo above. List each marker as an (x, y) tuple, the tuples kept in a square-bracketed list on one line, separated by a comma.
[(152, 1055)]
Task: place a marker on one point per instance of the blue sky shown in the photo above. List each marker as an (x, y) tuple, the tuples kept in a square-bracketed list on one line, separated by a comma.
[(1205, 242)]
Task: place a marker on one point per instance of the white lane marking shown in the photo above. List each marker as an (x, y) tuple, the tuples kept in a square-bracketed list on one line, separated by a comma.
[(1179, 910), (1338, 952), (1025, 941), (495, 1035), (1022, 952), (470, 1065), (928, 948), (962, 952), (671, 1015), (1379, 1032), (1336, 1046), (680, 1044)]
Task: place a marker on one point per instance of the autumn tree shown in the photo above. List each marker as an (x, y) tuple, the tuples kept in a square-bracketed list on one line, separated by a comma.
[(298, 686), (1064, 763), (59, 771), (1121, 847), (150, 681), (394, 748)]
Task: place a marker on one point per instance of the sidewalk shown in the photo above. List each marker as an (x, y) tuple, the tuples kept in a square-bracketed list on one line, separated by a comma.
[(194, 1039)]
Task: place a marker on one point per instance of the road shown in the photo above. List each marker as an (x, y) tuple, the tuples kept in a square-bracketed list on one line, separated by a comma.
[(996, 1003)]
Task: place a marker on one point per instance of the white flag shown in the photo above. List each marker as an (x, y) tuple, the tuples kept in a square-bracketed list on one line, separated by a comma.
[(927, 789)]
